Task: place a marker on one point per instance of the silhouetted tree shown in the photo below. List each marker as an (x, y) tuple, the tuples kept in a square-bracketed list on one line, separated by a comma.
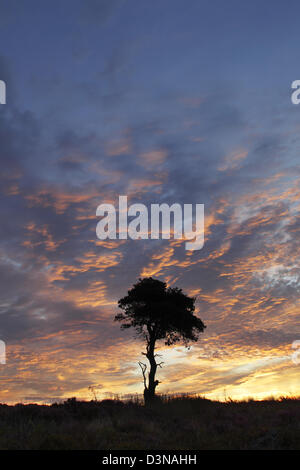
[(157, 312)]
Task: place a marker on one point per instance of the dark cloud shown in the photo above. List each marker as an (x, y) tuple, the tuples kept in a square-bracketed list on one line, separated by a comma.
[(98, 11)]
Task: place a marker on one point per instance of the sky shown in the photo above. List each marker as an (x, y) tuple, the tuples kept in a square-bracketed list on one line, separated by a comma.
[(165, 102)]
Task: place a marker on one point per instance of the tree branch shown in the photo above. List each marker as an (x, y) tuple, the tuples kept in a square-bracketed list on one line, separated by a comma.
[(143, 368)]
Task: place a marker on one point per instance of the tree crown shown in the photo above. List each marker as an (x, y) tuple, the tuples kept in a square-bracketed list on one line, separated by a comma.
[(156, 312)]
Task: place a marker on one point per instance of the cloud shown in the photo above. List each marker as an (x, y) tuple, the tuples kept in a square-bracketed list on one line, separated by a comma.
[(121, 134), (98, 11)]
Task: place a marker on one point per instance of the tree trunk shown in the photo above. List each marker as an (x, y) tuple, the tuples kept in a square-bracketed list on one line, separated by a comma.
[(152, 382), (149, 392)]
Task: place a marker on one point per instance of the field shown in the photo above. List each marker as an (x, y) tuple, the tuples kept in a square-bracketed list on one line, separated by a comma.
[(173, 423)]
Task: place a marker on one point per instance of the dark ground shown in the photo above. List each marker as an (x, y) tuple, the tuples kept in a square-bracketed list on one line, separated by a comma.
[(172, 424)]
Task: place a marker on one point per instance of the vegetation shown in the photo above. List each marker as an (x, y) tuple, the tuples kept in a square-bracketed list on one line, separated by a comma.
[(168, 424), (157, 312)]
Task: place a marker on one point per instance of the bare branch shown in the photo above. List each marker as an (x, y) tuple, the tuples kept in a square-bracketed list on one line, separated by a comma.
[(143, 368)]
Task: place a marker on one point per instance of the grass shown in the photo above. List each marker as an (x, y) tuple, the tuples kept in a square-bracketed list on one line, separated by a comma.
[(183, 423)]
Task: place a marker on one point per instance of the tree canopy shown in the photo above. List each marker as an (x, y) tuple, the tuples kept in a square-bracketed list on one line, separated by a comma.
[(166, 312), (157, 312)]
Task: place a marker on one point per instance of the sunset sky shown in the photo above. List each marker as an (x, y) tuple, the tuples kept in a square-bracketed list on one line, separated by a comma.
[(162, 101)]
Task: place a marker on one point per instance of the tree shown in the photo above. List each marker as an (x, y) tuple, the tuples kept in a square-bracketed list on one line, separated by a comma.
[(157, 312)]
